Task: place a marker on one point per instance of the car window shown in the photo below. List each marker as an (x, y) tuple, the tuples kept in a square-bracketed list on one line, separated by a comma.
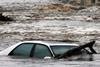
[(41, 51), (22, 50), (60, 49)]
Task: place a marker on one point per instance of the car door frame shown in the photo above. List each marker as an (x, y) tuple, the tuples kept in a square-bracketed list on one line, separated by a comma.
[(20, 45), (33, 49)]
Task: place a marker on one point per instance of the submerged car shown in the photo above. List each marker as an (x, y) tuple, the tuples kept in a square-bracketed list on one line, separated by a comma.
[(43, 49)]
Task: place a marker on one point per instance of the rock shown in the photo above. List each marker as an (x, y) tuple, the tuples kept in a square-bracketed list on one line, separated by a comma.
[(89, 19), (5, 18)]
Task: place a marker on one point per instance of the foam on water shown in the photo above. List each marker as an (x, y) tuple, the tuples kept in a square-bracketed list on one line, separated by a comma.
[(6, 61), (30, 1)]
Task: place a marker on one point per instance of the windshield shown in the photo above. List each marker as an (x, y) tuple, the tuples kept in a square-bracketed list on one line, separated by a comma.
[(60, 49)]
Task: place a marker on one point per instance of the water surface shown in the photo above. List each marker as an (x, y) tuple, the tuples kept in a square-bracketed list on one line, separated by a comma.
[(6, 61)]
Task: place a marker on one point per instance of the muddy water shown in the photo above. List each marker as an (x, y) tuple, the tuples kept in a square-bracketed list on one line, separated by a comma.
[(15, 31), (43, 29), (31, 62)]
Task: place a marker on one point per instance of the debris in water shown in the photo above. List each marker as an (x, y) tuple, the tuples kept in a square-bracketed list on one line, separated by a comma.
[(5, 18)]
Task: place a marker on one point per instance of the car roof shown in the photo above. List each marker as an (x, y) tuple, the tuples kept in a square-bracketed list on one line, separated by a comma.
[(52, 43)]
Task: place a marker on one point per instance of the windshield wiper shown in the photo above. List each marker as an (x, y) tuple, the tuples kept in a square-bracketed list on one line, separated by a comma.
[(78, 50)]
